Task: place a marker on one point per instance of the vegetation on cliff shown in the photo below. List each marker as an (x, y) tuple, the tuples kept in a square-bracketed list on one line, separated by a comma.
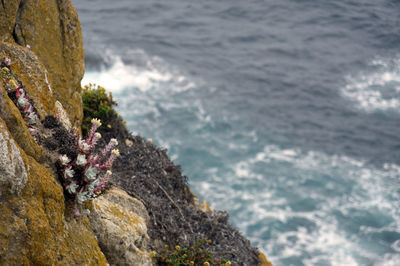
[(97, 103), (146, 172), (83, 171)]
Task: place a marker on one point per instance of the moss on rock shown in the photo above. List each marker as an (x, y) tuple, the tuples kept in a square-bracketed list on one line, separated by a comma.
[(52, 29)]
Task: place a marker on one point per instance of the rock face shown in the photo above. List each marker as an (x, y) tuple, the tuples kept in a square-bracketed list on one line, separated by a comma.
[(32, 74), (119, 222), (52, 29), (35, 225), (13, 175), (33, 228)]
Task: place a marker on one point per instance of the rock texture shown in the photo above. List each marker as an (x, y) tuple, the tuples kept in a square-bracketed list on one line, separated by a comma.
[(32, 74), (13, 175), (119, 222), (35, 225), (33, 228), (52, 29)]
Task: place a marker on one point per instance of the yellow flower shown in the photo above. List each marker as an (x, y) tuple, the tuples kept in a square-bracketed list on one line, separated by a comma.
[(228, 262), (96, 121), (207, 263), (191, 262), (209, 241), (115, 152), (177, 247), (109, 126), (13, 83), (153, 253)]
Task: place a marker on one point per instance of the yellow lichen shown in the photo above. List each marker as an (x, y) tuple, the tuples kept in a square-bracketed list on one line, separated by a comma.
[(263, 260), (33, 230)]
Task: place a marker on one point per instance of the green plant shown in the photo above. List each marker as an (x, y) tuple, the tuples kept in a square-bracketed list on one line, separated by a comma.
[(194, 255), (97, 103)]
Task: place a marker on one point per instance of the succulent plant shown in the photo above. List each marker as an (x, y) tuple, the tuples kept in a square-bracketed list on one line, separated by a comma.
[(17, 93), (87, 175)]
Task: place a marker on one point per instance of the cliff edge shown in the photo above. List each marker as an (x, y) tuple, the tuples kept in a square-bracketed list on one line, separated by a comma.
[(150, 204)]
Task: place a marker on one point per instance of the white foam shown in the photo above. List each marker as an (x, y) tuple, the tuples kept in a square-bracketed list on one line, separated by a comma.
[(146, 89), (253, 198), (377, 89), (150, 72)]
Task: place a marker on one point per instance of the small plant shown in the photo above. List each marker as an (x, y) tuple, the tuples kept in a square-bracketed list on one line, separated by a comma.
[(96, 104), (18, 95), (87, 175), (194, 255)]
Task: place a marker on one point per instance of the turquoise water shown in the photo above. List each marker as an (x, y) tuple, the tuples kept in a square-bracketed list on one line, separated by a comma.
[(285, 114)]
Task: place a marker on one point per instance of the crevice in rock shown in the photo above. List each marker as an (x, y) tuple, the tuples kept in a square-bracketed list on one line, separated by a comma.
[(60, 11), (4, 6), (19, 39)]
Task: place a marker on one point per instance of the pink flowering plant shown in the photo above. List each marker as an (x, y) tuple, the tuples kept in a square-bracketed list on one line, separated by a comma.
[(86, 172), (87, 175), (18, 95)]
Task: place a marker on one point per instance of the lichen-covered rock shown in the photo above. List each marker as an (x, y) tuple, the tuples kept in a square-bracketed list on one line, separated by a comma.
[(33, 75), (35, 224), (13, 174), (52, 29), (119, 222), (33, 227), (8, 13)]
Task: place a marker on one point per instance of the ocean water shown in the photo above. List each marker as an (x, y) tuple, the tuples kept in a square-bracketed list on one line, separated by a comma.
[(285, 113)]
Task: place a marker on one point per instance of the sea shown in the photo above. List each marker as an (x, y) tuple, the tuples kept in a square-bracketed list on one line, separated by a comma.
[(284, 113)]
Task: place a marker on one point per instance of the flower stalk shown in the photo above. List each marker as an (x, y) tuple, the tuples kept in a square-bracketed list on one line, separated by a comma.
[(88, 174)]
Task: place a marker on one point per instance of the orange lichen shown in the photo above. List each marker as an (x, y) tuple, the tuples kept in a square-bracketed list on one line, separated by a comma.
[(263, 260)]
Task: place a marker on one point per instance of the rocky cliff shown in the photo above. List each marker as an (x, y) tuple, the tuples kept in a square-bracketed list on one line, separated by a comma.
[(33, 227), (42, 53), (43, 42), (52, 31)]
